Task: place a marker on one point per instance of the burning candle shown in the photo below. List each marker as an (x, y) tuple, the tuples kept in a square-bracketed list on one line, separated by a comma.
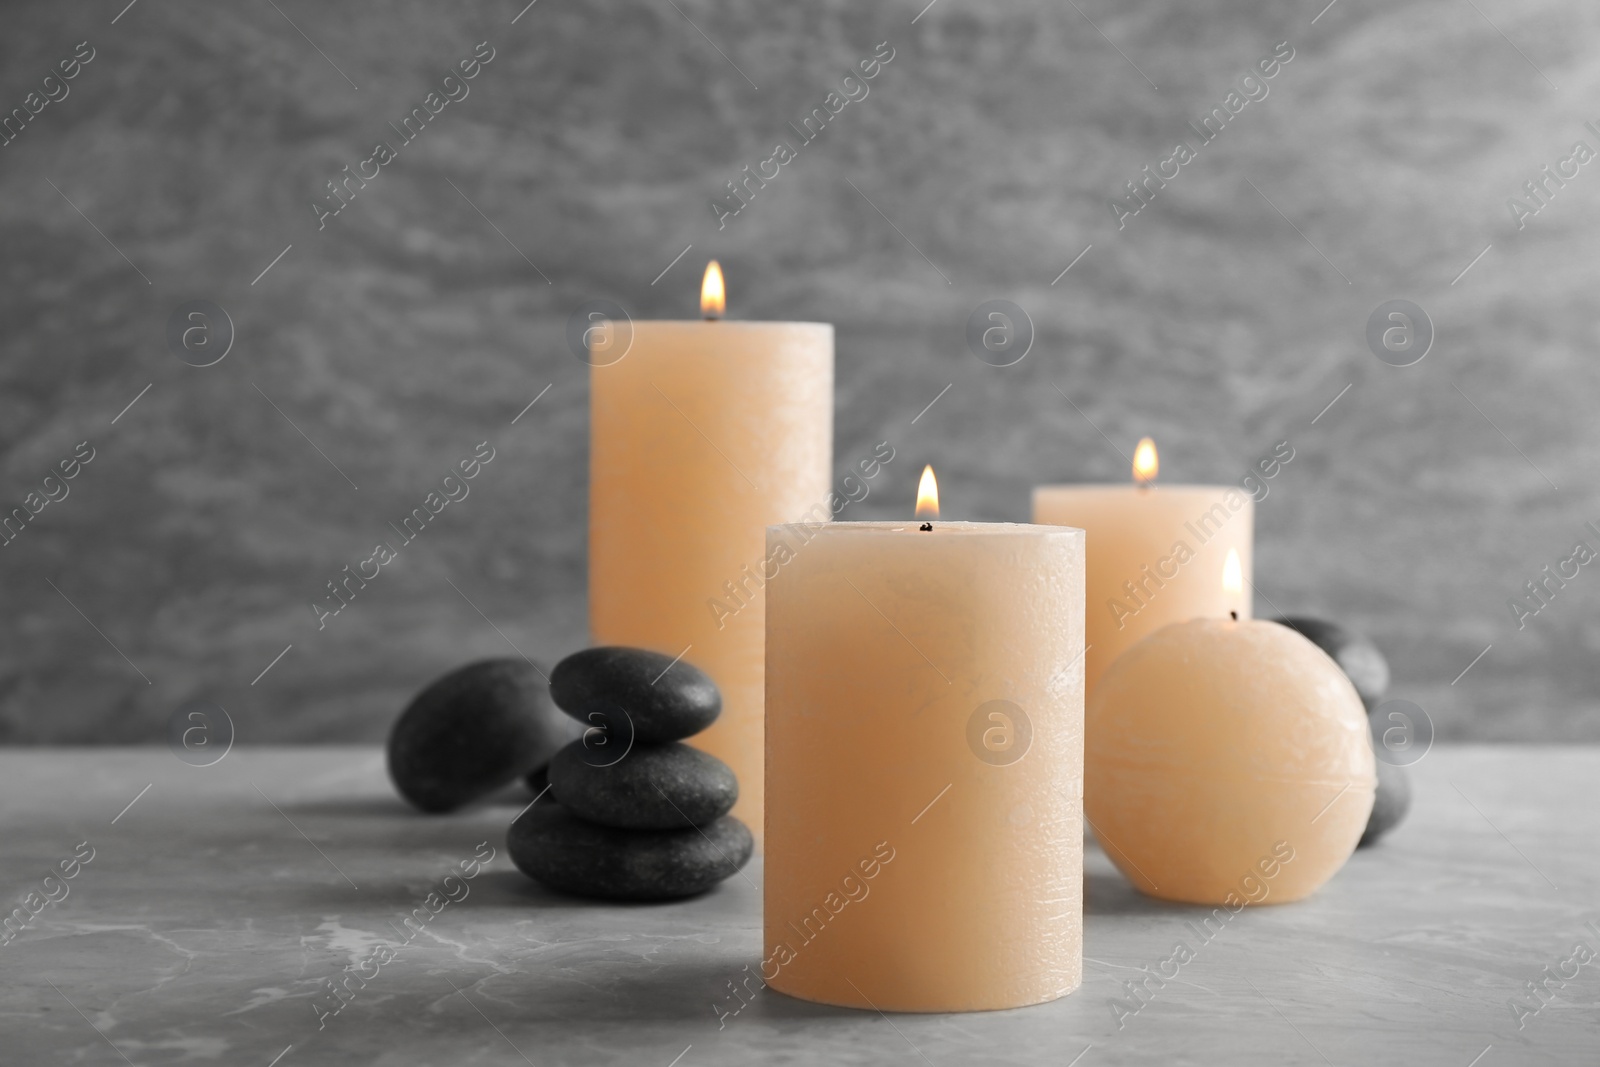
[(1154, 552), (1228, 761), (701, 436), (924, 760)]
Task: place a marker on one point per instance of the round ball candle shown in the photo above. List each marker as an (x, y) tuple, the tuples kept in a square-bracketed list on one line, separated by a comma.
[(1227, 763), (924, 845), (1154, 552), (702, 434)]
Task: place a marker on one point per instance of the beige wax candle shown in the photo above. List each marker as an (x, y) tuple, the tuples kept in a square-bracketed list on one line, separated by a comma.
[(1228, 763), (924, 846), (1155, 553), (701, 436)]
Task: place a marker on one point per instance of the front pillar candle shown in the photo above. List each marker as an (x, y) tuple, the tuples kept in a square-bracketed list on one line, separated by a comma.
[(924, 846)]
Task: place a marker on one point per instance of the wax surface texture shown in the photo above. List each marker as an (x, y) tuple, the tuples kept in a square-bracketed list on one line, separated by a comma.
[(1214, 748), (701, 436), (1135, 534), (924, 845)]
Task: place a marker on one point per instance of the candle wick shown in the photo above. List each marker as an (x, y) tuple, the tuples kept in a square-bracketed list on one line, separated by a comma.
[(1234, 615), (926, 527), (712, 317)]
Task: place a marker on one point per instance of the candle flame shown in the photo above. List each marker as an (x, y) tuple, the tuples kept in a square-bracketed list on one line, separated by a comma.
[(927, 495), (713, 294), (1145, 462), (1232, 576)]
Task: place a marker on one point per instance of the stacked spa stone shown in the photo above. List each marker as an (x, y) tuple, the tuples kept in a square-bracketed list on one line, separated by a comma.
[(631, 812)]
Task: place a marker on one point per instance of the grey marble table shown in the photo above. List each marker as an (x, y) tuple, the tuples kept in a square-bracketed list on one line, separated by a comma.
[(219, 903)]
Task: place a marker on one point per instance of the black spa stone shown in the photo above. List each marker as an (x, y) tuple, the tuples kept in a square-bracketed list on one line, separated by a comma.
[(1358, 657), (633, 690), (1391, 803), (653, 787), (563, 852), (472, 731)]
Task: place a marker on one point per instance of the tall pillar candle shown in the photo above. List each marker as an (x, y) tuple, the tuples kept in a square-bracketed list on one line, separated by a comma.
[(924, 847), (1156, 554), (702, 434)]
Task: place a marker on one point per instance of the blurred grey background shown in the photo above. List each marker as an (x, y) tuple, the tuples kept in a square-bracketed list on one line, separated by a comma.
[(1222, 319)]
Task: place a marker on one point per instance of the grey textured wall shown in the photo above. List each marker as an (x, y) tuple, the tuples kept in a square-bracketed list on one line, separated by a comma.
[(1221, 319)]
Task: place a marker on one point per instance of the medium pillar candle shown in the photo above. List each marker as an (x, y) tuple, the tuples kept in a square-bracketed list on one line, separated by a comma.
[(1156, 554), (924, 847), (701, 436)]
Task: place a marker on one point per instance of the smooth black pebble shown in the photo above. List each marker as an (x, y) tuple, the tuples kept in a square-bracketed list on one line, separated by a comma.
[(1390, 804), (563, 852), (653, 787), (1358, 657), (598, 685), (472, 731)]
